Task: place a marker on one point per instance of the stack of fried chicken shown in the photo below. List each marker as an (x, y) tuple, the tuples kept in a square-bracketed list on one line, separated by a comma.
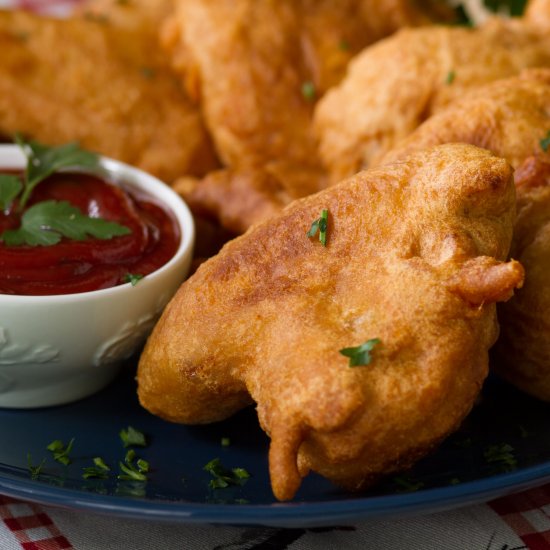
[(384, 176)]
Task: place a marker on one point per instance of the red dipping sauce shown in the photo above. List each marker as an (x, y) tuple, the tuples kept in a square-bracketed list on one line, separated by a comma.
[(93, 264)]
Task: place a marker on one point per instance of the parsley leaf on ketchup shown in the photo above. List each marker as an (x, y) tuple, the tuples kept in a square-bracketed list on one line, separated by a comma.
[(133, 278), (43, 161), (45, 223), (10, 187)]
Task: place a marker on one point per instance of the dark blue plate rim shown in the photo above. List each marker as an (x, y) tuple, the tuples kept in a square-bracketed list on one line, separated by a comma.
[(283, 514)]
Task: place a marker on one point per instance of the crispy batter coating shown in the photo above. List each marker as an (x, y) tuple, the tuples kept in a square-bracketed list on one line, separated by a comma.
[(237, 199), (142, 17), (524, 346), (511, 118), (82, 79), (137, 22), (395, 85), (413, 257), (257, 67), (537, 13)]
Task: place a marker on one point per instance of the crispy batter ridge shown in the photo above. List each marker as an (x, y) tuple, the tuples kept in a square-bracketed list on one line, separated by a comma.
[(511, 118), (86, 80), (395, 85), (413, 257)]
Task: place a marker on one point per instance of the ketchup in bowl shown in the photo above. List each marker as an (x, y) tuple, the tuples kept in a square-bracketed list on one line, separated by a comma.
[(75, 266)]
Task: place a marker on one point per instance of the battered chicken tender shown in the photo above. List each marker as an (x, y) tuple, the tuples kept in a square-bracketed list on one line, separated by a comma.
[(257, 67), (143, 17), (413, 258), (511, 118), (537, 14), (139, 20), (236, 199), (78, 79), (524, 346), (395, 85)]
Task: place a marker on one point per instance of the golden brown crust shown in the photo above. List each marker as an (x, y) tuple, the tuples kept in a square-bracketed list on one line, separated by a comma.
[(537, 13), (524, 346), (257, 67), (395, 85), (511, 118), (266, 318), (81, 79)]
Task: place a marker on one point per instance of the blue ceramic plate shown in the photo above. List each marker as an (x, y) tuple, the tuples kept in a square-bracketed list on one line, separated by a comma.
[(503, 446)]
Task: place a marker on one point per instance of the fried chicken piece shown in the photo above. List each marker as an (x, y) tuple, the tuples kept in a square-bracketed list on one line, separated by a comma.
[(537, 13), (236, 199), (413, 258), (395, 85), (257, 67), (76, 79), (143, 17), (139, 20), (511, 118), (523, 349)]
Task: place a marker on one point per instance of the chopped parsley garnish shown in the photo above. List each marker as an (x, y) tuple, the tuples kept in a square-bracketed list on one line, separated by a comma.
[(132, 437), (61, 452), (309, 91), (501, 456), (133, 278), (43, 161), (360, 355), (45, 223), (344, 45), (222, 477), (35, 470), (131, 471), (545, 142), (320, 225), (407, 484), (226, 441), (147, 72), (96, 17), (100, 470), (449, 79), (454, 481), (10, 187)]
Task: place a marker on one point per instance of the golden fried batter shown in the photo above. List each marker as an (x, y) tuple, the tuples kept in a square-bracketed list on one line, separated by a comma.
[(143, 17), (396, 84), (537, 14), (524, 345), (137, 22), (412, 257), (511, 118), (257, 67), (78, 79)]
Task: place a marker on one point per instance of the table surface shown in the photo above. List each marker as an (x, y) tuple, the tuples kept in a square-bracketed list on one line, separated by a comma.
[(519, 521)]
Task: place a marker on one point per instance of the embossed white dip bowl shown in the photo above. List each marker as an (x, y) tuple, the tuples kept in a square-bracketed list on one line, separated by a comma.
[(57, 349)]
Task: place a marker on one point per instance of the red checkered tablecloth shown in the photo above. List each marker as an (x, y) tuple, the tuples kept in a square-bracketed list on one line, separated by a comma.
[(519, 521)]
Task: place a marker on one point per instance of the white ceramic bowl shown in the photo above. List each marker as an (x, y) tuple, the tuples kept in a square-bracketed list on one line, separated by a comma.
[(57, 349)]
